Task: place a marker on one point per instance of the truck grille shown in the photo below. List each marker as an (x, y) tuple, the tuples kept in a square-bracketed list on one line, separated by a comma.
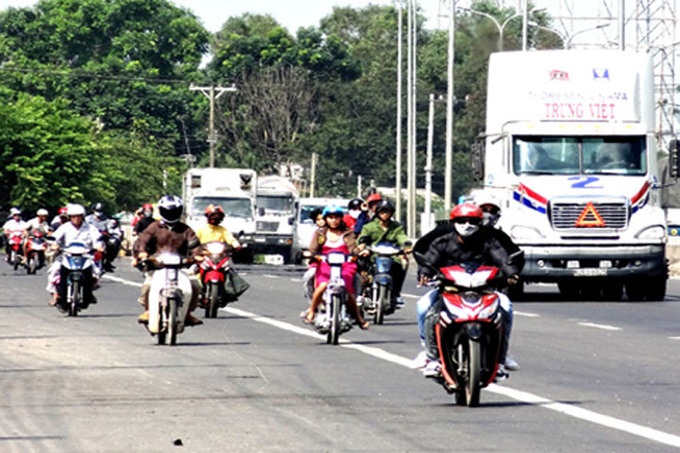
[(564, 216), (268, 227)]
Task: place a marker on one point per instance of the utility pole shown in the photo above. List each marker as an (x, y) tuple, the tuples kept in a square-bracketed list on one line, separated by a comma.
[(400, 58), (448, 169), (428, 165), (312, 176), (210, 93)]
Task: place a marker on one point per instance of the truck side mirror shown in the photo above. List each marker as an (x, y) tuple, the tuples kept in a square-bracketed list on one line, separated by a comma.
[(477, 160), (260, 211), (673, 157)]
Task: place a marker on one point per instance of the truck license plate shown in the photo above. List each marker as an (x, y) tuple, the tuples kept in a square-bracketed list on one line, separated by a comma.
[(590, 272)]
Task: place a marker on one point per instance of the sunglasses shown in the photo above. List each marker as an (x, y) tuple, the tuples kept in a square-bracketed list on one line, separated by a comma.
[(470, 220)]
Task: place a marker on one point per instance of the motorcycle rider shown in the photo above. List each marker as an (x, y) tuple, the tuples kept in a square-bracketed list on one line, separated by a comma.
[(368, 213), (354, 209), (144, 220), (14, 226), (113, 244), (468, 242), (76, 230), (383, 228), (59, 219), (37, 224), (168, 235), (98, 217), (334, 237), (308, 278)]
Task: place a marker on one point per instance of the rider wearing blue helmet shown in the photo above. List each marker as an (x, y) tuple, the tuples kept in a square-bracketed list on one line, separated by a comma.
[(334, 237)]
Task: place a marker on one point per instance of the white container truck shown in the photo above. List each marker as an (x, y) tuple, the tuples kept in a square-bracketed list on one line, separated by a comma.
[(571, 152), (231, 188), (277, 205)]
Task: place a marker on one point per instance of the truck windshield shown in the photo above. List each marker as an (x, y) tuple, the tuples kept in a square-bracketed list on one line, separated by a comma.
[(233, 207), (270, 203), (579, 155)]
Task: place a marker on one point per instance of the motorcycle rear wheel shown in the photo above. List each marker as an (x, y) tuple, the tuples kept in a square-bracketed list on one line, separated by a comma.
[(15, 260)]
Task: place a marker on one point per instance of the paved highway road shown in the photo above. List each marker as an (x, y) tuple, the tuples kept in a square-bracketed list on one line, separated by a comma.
[(595, 377)]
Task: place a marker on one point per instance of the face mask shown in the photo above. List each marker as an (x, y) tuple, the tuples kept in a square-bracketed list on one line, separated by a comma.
[(489, 219), (354, 213), (466, 229)]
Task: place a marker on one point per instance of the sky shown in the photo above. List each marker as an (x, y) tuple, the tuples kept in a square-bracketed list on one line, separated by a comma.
[(291, 14)]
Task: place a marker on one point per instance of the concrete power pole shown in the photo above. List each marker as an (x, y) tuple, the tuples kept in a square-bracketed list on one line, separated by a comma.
[(210, 93)]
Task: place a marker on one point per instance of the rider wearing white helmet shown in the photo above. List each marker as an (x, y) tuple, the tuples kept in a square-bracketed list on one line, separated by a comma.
[(76, 230)]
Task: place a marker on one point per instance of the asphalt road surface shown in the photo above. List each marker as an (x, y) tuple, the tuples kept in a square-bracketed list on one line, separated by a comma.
[(595, 377)]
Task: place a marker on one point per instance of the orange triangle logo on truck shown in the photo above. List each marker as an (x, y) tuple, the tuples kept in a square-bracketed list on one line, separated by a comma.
[(590, 217)]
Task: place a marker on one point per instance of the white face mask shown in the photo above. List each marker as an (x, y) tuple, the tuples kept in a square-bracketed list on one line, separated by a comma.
[(354, 213), (466, 229), (489, 219)]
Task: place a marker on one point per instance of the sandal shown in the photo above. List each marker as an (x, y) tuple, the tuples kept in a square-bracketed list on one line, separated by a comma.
[(308, 320), (364, 325)]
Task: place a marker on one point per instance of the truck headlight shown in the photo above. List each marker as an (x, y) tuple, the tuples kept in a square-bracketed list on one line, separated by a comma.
[(525, 232), (652, 232)]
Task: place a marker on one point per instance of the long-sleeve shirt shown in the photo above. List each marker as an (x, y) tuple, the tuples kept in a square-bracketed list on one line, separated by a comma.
[(373, 232), (67, 234), (160, 237)]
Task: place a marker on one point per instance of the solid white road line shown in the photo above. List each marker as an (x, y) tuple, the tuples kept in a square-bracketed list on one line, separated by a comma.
[(518, 395)]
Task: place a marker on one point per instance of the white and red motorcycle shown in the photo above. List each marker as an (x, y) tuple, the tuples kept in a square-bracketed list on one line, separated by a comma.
[(469, 333)]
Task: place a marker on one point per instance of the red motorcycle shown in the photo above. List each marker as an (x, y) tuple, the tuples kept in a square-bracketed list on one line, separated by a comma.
[(214, 269), (15, 250), (470, 329), (36, 246)]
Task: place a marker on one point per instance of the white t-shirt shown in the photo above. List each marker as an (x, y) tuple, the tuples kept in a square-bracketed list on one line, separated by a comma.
[(86, 234), (13, 227)]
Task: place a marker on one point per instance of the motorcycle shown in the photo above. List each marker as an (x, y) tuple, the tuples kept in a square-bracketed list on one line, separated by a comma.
[(36, 247), (470, 329), (15, 256), (332, 318), (169, 296), (77, 266), (214, 269), (376, 297)]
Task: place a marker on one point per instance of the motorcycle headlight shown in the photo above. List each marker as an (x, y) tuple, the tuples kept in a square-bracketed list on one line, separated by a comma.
[(471, 297)]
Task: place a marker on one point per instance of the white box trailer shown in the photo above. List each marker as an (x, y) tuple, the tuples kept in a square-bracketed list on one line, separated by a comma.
[(570, 150)]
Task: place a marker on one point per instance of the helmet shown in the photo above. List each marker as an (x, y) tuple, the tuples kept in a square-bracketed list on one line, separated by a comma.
[(491, 208), (41, 212), (170, 208), (75, 209), (355, 204), (385, 205), (215, 214), (212, 209), (62, 211), (466, 218), (15, 211), (332, 209), (146, 206), (373, 198), (98, 208), (114, 223)]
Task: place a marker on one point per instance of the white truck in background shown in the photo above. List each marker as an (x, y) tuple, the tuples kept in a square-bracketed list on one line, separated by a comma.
[(234, 189), (571, 152), (277, 206)]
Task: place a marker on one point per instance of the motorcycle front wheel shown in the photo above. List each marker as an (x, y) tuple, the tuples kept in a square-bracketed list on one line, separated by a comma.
[(173, 321), (333, 335), (381, 303), (213, 304), (74, 289), (32, 265), (473, 383)]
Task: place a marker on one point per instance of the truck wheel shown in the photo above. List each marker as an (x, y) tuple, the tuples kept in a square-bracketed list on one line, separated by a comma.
[(612, 290), (635, 290), (568, 289), (516, 291), (655, 288)]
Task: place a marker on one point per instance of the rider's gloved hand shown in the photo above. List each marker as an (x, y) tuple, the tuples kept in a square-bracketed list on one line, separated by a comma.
[(513, 279)]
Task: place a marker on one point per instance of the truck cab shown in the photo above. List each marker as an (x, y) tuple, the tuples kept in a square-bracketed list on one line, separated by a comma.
[(571, 151)]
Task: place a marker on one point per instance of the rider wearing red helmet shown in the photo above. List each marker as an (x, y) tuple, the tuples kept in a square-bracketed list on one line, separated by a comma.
[(466, 243), (144, 220), (368, 212)]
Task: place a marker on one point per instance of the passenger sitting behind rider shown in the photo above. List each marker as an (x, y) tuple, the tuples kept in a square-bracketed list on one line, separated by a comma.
[(383, 228), (168, 235), (334, 237), (467, 243)]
